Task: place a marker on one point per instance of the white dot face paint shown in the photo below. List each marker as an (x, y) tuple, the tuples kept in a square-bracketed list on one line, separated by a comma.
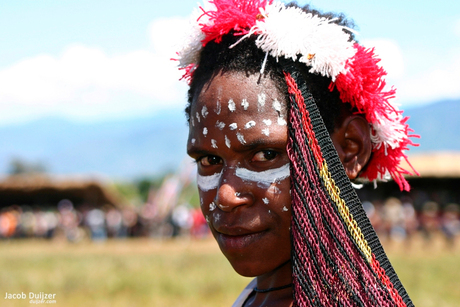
[(214, 143), (275, 190), (267, 122), (193, 141), (205, 131), (266, 131), (198, 117), (265, 200), (285, 209), (218, 107), (245, 104), (250, 124), (207, 183), (240, 138), (233, 126), (220, 125), (192, 121), (265, 177), (281, 121), (231, 105), (204, 111), (217, 217), (227, 142), (261, 101), (212, 206), (277, 106)]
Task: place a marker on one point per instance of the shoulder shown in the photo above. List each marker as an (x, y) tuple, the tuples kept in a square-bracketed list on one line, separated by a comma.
[(245, 293)]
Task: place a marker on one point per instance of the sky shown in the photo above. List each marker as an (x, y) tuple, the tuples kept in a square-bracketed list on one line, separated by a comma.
[(100, 60)]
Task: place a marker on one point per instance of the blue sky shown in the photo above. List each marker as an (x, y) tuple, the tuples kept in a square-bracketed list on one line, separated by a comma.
[(77, 59)]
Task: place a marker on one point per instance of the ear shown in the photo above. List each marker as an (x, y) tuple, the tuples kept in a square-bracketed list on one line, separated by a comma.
[(352, 141)]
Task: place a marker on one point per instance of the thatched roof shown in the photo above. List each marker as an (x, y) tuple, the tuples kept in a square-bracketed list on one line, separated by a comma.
[(44, 190), (439, 164)]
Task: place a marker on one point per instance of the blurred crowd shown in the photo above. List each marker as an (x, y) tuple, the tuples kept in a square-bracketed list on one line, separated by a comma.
[(100, 223), (393, 219), (396, 219)]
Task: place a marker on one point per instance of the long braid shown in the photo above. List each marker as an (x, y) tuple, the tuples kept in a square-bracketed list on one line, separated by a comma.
[(332, 262)]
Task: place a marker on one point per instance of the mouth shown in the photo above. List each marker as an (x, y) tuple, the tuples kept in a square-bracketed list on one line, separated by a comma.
[(238, 241)]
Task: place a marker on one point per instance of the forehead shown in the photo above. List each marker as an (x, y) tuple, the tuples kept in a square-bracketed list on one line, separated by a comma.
[(237, 97)]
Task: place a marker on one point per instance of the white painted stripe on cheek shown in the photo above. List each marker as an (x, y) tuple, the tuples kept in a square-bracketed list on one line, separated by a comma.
[(206, 183), (266, 177)]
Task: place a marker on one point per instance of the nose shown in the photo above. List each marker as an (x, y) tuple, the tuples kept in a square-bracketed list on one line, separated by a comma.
[(232, 192)]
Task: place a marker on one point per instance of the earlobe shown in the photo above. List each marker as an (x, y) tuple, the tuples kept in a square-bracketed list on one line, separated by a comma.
[(353, 144)]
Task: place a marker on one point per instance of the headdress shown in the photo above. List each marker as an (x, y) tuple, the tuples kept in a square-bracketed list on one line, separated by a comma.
[(337, 257)]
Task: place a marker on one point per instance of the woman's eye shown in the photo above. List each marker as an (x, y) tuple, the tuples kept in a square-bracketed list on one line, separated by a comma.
[(264, 155), (210, 160)]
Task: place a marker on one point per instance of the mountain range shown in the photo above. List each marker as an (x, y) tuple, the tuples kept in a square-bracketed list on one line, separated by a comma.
[(154, 144)]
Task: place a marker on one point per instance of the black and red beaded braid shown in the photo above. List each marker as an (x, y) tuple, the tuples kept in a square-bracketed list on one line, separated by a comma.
[(337, 257)]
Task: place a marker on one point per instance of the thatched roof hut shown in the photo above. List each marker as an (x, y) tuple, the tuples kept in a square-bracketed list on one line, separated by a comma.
[(46, 191), (436, 164), (439, 180)]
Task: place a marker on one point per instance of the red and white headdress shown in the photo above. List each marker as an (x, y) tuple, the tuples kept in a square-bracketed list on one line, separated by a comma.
[(327, 49)]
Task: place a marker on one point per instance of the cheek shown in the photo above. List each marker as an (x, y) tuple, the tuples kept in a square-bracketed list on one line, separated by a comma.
[(278, 197), (207, 201)]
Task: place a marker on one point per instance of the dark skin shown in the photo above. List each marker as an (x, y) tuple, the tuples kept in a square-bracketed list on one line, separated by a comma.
[(250, 218)]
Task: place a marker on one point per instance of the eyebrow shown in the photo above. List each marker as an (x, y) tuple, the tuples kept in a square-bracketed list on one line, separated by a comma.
[(195, 150)]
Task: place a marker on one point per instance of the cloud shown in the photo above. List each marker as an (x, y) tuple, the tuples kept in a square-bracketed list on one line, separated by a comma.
[(85, 81), (391, 56), (437, 83), (428, 81)]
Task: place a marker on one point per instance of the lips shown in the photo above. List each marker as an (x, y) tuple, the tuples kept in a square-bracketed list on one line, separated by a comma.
[(237, 239)]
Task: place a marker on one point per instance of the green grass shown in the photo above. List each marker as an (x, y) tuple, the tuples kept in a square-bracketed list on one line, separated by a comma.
[(177, 273)]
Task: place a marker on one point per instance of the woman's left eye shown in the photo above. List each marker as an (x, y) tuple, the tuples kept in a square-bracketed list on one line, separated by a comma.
[(264, 155)]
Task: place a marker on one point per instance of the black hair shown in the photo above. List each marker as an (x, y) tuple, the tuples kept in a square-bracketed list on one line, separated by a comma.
[(245, 57)]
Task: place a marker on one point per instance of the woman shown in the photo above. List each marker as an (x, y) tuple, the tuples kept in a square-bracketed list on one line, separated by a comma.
[(284, 108)]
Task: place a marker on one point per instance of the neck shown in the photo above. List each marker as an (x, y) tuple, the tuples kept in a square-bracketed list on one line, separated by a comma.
[(279, 277)]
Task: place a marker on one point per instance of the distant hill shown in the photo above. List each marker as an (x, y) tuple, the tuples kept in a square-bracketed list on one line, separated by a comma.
[(438, 124), (150, 145), (118, 148)]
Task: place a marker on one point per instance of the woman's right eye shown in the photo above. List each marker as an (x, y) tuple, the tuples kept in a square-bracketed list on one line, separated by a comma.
[(210, 160)]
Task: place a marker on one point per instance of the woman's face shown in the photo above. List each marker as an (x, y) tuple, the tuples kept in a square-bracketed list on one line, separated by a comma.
[(238, 136)]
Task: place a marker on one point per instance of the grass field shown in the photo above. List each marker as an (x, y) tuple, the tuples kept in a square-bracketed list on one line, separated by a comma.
[(145, 272)]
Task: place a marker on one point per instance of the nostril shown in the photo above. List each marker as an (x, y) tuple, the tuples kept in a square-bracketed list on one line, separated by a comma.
[(228, 199), (222, 207)]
